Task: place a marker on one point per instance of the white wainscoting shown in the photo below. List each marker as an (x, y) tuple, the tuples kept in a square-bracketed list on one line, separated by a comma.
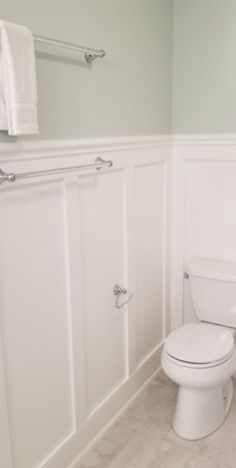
[(69, 360), (203, 210)]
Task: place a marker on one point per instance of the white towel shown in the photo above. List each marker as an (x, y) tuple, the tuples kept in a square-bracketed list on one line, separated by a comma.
[(18, 89)]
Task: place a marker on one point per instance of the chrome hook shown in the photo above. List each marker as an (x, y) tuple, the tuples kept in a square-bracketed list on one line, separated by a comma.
[(118, 292)]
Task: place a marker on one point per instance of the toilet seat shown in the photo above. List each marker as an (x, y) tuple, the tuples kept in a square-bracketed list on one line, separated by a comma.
[(200, 345)]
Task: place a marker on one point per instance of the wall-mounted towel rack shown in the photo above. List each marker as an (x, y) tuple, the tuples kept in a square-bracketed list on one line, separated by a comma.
[(89, 54), (99, 163)]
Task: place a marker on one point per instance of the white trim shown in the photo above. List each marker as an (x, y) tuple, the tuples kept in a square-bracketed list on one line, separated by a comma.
[(116, 143), (209, 139), (139, 374), (111, 410), (115, 419), (204, 147), (59, 148), (178, 188)]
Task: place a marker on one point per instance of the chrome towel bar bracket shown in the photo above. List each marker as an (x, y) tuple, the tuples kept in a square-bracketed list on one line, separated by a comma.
[(4, 177), (89, 53), (99, 163)]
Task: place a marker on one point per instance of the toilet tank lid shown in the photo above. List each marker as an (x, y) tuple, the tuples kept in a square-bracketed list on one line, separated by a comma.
[(210, 268)]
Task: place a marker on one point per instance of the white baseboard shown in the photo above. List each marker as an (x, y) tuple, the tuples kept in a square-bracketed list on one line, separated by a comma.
[(100, 421), (114, 419)]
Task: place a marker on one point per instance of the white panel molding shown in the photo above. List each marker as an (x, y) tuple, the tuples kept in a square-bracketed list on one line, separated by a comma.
[(129, 236), (161, 164), (127, 154), (186, 149), (177, 225), (167, 245), (175, 153), (75, 302)]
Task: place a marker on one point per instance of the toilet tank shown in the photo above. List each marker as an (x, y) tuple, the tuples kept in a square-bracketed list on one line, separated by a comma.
[(213, 290)]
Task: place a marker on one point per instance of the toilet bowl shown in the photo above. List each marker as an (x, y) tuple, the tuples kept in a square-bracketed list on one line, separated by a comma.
[(204, 377), (201, 357)]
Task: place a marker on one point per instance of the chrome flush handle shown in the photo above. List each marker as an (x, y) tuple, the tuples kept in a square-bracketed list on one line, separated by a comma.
[(118, 292)]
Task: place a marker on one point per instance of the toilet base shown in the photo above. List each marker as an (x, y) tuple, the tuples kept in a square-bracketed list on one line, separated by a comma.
[(199, 412)]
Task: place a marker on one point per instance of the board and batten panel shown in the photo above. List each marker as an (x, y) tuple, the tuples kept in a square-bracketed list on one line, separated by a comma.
[(149, 201), (210, 214), (34, 321), (102, 225), (69, 355)]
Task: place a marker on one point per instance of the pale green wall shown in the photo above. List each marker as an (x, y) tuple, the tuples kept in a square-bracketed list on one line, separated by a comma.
[(128, 92), (204, 78)]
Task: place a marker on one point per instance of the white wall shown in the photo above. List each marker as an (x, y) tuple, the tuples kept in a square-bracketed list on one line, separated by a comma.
[(88, 232), (69, 359), (204, 203)]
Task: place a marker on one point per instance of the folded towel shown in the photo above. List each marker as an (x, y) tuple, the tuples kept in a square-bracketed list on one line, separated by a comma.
[(18, 89)]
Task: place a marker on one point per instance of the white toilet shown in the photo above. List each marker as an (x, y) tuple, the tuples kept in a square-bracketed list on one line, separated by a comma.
[(201, 357)]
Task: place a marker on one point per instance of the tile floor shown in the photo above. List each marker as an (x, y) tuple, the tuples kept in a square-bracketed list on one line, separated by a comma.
[(143, 437)]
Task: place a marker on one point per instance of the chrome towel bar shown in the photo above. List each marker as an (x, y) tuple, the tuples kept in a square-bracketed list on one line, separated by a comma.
[(89, 54), (99, 163)]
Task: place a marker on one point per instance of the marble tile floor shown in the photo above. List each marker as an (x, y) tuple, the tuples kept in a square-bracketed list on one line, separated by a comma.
[(143, 437)]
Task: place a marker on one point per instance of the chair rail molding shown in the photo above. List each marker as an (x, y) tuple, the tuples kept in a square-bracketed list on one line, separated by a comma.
[(59, 148)]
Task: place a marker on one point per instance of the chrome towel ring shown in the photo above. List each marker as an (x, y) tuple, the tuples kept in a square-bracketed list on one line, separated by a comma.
[(118, 292)]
